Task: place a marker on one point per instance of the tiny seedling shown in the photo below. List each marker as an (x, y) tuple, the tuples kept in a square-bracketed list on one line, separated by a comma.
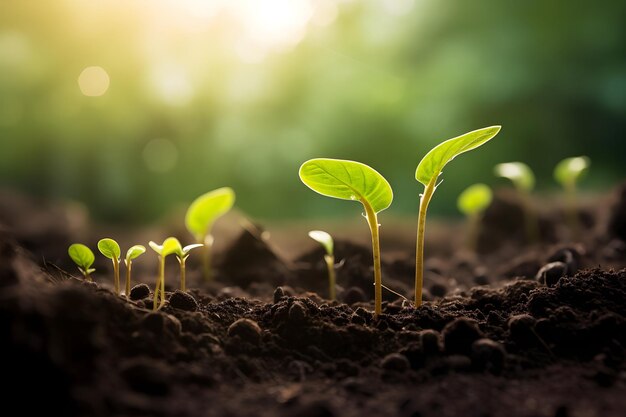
[(326, 241), (427, 173), (472, 203), (109, 248), (567, 173), (182, 253), (523, 180), (170, 246), (349, 180), (83, 257), (202, 214), (132, 253)]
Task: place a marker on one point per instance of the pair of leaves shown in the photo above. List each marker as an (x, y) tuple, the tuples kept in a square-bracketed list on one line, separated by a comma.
[(323, 239), (206, 209), (519, 173), (570, 170), (475, 199), (111, 249), (171, 246), (350, 180), (82, 256)]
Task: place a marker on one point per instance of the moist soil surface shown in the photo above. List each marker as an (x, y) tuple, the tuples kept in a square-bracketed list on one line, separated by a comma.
[(510, 329)]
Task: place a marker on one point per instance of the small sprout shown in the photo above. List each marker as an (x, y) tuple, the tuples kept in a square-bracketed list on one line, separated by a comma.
[(523, 179), (201, 215), (132, 253), (83, 257), (182, 254), (427, 173), (109, 248), (567, 173), (170, 246), (326, 241), (349, 180), (472, 203)]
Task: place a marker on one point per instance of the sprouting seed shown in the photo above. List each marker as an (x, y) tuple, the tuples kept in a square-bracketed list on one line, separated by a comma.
[(472, 202), (132, 253), (567, 173), (83, 257), (182, 253), (109, 248), (170, 246), (327, 243)]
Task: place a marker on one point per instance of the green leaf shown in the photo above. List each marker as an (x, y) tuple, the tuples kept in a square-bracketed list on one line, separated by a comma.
[(189, 248), (81, 255), (519, 173), (170, 246), (347, 180), (570, 170), (109, 248), (323, 239), (432, 164), (206, 209), (475, 199), (134, 252)]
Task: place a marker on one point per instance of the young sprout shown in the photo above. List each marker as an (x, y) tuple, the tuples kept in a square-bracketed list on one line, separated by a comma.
[(83, 257), (349, 180), (523, 180), (472, 203), (201, 215), (326, 241), (567, 173), (169, 246), (132, 253), (427, 173), (109, 248), (182, 254)]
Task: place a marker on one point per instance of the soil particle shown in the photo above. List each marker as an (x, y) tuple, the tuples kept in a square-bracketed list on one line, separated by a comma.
[(617, 220), (279, 293), (488, 355), (147, 377), (297, 313), (459, 335), (395, 362), (521, 329), (139, 292), (551, 273), (431, 342), (246, 330), (183, 301), (353, 295)]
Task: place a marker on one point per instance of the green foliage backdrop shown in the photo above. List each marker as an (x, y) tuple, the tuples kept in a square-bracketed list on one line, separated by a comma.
[(197, 100)]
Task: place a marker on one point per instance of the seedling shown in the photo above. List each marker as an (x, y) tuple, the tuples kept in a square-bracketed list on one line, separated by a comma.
[(182, 254), (83, 257), (201, 216), (169, 246), (472, 203), (326, 241), (567, 173), (109, 248), (132, 253), (427, 173), (349, 180), (523, 180)]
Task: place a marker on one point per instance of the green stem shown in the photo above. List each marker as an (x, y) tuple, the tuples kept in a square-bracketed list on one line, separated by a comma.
[(163, 286), (116, 273), (128, 269), (372, 220), (158, 283), (419, 249), (330, 264), (88, 276), (182, 274)]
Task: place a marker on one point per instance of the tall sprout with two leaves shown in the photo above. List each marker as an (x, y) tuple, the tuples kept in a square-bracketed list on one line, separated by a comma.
[(83, 258), (472, 202), (327, 243), (170, 246), (567, 173), (523, 180), (132, 253), (201, 216), (427, 173), (182, 253), (350, 180)]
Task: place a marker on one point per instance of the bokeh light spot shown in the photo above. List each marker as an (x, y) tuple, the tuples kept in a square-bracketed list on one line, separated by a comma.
[(160, 155), (93, 81)]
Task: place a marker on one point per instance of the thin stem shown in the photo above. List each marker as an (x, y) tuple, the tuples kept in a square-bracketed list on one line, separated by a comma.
[(419, 249), (129, 265), (159, 279), (330, 264), (163, 286), (206, 257), (182, 274), (87, 276), (372, 220), (116, 273)]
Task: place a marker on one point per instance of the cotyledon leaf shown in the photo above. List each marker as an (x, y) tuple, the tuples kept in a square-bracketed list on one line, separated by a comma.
[(109, 248), (347, 180), (81, 255), (207, 208), (432, 164)]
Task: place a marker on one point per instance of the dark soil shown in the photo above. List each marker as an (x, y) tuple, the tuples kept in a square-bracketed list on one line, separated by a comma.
[(521, 330)]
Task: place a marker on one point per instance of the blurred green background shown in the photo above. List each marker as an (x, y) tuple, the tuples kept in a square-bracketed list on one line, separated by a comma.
[(136, 107)]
